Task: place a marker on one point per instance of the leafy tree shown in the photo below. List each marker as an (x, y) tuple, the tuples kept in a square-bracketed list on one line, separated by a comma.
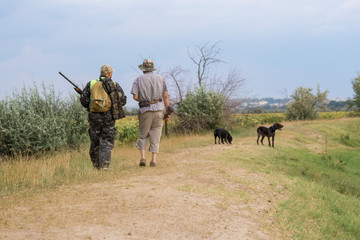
[(356, 86), (306, 105)]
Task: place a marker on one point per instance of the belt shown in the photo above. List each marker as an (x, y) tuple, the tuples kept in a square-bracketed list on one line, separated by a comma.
[(147, 103)]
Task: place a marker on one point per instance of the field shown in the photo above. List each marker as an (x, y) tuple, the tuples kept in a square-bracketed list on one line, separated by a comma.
[(307, 187), (127, 128)]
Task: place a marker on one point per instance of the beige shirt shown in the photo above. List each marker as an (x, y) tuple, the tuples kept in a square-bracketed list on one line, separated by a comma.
[(149, 87)]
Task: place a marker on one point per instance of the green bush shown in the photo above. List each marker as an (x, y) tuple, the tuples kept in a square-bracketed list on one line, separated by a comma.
[(32, 122), (201, 110), (305, 105)]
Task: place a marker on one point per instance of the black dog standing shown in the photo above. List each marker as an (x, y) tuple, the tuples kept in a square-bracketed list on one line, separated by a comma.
[(268, 132), (223, 135)]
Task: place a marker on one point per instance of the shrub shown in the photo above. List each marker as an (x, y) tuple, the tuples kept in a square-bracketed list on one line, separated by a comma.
[(32, 122), (201, 110), (305, 105)]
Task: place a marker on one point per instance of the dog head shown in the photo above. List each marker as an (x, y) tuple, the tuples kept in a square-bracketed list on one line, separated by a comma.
[(278, 126), (229, 138)]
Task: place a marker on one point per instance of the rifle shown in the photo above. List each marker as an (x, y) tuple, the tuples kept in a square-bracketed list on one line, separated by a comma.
[(77, 89), (168, 112)]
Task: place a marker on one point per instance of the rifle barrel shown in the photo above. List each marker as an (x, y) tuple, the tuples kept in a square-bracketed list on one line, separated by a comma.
[(68, 80), (77, 89)]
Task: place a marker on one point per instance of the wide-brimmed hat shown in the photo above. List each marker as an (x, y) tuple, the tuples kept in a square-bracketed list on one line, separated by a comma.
[(147, 66)]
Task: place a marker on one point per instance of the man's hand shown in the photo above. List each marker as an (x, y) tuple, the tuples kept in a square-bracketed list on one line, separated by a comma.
[(167, 117), (169, 111)]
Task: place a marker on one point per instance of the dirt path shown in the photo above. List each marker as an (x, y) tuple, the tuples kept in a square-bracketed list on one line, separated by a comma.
[(190, 195)]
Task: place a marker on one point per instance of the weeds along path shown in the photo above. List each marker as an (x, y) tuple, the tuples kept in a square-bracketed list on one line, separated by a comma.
[(194, 193)]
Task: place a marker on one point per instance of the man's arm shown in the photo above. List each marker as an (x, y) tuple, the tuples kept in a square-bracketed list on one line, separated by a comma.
[(166, 99), (135, 97), (167, 104), (122, 95)]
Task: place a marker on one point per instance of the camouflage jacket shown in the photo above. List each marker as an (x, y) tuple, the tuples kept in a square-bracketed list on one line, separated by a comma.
[(118, 98)]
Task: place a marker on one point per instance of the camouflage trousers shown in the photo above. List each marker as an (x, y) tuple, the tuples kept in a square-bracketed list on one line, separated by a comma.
[(102, 136)]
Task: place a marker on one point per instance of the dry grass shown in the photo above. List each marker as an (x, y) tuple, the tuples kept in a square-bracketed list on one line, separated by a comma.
[(68, 167)]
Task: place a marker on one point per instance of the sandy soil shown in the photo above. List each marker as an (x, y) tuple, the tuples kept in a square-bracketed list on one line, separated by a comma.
[(190, 195)]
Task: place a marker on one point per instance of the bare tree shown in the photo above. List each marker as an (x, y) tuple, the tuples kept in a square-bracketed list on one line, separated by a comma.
[(233, 82), (203, 57), (177, 75)]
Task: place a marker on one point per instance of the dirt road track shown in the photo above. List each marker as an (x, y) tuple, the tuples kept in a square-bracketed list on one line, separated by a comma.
[(190, 195)]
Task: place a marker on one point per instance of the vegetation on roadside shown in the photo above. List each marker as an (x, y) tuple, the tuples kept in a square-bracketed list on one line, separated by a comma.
[(321, 160), (355, 102), (201, 110), (305, 105), (34, 122)]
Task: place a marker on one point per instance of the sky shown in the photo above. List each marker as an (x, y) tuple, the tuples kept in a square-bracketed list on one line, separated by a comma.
[(276, 45)]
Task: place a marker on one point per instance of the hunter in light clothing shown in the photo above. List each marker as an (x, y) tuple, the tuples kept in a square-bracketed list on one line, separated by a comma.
[(150, 91), (104, 99)]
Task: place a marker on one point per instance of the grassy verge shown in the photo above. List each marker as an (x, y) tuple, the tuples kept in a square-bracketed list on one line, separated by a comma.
[(322, 160)]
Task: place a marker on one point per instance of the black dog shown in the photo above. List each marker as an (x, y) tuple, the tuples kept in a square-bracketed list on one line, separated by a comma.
[(268, 132), (223, 135)]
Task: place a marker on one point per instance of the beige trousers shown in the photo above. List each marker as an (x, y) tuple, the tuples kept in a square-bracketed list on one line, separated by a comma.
[(150, 126)]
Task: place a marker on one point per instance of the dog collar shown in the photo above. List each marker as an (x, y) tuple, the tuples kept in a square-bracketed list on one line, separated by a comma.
[(273, 127)]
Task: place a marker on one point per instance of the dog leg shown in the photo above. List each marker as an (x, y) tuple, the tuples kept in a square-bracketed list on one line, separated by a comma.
[(215, 139), (262, 139), (269, 141), (273, 137)]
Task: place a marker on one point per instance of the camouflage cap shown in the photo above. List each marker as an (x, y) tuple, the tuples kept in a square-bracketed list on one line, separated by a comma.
[(105, 69), (147, 66)]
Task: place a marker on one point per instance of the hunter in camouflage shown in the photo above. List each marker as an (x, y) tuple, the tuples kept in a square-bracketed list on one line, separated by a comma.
[(102, 124)]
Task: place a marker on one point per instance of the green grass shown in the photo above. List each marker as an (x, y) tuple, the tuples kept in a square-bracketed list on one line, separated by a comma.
[(317, 212), (322, 160)]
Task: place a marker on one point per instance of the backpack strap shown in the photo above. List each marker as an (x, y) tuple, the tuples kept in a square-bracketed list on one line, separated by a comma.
[(106, 86), (93, 82)]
